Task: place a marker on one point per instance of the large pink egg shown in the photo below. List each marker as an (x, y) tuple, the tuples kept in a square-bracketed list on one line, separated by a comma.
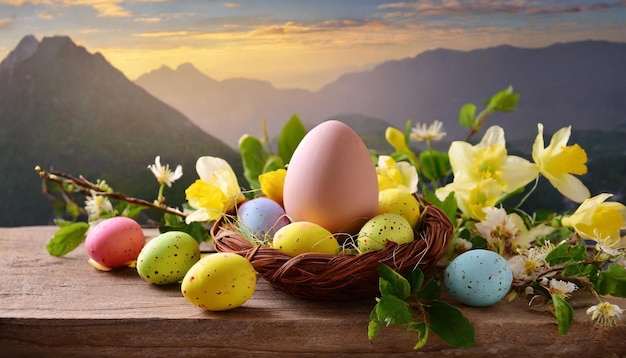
[(331, 179), (115, 242)]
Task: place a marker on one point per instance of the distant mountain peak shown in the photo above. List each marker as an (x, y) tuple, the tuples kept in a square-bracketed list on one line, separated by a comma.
[(24, 49)]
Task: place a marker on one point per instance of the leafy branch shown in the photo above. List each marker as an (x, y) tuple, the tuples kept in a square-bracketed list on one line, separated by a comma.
[(412, 301)]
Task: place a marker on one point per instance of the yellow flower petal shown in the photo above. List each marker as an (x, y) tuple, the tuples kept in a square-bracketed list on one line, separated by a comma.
[(558, 162), (595, 217), (272, 184)]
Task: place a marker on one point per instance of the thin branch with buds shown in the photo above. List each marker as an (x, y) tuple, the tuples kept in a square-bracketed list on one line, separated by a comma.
[(84, 186)]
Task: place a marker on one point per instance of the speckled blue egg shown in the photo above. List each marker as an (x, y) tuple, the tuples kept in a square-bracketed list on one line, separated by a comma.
[(478, 278), (261, 217)]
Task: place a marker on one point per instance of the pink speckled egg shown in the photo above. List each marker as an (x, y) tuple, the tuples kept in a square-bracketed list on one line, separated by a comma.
[(115, 242), (331, 180)]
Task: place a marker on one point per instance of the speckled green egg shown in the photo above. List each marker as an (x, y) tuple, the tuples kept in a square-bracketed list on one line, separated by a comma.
[(167, 258), (220, 282), (382, 228)]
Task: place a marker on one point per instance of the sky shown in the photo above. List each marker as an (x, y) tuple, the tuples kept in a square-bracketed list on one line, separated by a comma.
[(300, 43)]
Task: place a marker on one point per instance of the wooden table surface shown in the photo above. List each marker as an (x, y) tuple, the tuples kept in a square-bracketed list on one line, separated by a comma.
[(63, 307)]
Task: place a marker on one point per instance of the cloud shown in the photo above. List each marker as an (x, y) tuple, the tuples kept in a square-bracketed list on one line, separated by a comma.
[(147, 19), (105, 8), (5, 23), (452, 7), (231, 5), (18, 3)]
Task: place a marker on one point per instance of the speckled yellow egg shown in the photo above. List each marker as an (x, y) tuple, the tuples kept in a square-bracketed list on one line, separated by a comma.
[(331, 179), (399, 202), (167, 257), (382, 228), (303, 236), (220, 282)]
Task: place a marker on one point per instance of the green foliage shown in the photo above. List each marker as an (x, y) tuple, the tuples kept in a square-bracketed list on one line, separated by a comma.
[(435, 164), (253, 157), (67, 238), (256, 159), (412, 301), (564, 313), (612, 281), (171, 222), (447, 322), (502, 101), (290, 137)]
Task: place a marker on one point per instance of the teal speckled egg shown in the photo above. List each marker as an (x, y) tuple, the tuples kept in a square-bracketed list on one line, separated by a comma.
[(167, 257), (478, 278)]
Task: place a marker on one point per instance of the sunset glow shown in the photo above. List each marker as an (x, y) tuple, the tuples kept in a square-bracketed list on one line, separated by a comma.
[(299, 43)]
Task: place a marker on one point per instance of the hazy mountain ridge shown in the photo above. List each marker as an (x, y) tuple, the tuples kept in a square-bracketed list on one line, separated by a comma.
[(64, 107), (69, 109), (577, 83)]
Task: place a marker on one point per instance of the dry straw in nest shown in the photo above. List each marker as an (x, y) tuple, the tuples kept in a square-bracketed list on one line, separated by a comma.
[(344, 276)]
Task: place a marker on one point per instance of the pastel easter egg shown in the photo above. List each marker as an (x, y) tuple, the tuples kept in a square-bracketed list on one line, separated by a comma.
[(383, 228), (303, 236), (167, 257), (478, 278), (399, 202), (260, 218), (114, 242), (331, 179), (219, 282)]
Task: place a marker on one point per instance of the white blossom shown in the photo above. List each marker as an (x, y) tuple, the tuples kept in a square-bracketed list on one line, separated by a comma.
[(163, 174)]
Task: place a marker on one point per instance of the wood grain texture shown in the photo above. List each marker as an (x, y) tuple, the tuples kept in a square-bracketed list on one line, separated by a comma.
[(63, 307)]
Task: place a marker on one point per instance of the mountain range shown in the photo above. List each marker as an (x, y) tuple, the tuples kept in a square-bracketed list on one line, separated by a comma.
[(577, 83), (66, 108)]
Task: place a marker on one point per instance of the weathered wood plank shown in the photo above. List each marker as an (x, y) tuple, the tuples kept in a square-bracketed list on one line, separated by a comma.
[(58, 306)]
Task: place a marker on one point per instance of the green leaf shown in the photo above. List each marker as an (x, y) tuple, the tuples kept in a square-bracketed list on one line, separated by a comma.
[(392, 310), (431, 290), (129, 210), (253, 157), (612, 281), (467, 115), (372, 329), (449, 324), (392, 283), (416, 279), (290, 137), (590, 271), (67, 238), (435, 164), (559, 255), (503, 101), (448, 205), (564, 313), (273, 162), (422, 333), (171, 222)]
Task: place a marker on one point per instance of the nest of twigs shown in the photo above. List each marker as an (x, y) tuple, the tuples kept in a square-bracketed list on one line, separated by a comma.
[(344, 276)]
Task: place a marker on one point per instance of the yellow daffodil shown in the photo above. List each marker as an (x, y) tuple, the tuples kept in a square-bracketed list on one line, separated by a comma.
[(489, 159), (392, 174), (596, 217), (398, 141), (215, 193), (272, 184), (472, 198), (558, 162)]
